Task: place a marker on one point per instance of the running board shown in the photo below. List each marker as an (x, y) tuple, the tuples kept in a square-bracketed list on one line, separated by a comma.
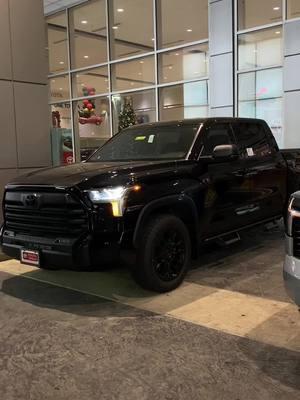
[(271, 225), (229, 239), (263, 222)]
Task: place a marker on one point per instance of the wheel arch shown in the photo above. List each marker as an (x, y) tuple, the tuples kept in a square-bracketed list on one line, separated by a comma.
[(181, 206)]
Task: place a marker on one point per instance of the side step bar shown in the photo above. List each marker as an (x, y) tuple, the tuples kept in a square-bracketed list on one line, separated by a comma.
[(229, 239), (266, 222)]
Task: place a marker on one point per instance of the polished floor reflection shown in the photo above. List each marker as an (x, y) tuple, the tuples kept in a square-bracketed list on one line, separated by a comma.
[(228, 332)]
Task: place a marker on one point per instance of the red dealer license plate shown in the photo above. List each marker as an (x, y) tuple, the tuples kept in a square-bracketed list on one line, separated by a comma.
[(30, 257)]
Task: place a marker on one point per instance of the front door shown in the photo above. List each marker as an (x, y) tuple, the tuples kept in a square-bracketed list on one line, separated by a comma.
[(225, 181)]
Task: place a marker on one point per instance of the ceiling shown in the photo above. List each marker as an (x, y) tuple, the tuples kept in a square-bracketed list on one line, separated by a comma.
[(90, 47), (55, 5)]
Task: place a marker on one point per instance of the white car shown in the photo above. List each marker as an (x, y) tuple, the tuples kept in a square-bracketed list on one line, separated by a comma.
[(291, 268)]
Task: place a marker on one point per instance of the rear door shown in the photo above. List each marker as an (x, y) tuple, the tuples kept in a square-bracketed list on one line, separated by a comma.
[(264, 171)]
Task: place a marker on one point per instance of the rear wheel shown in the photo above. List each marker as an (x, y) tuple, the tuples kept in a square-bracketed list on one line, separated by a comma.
[(164, 254)]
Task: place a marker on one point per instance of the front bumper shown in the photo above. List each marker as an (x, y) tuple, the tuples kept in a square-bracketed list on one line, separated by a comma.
[(67, 253), (291, 274)]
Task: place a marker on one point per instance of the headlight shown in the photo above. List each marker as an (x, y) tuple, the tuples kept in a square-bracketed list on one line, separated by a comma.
[(116, 196)]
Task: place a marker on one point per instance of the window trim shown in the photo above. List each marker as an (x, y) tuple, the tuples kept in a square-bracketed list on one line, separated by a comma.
[(241, 150)]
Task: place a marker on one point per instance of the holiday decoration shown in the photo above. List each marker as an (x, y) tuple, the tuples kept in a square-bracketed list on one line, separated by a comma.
[(56, 120), (67, 147), (94, 119), (127, 116), (87, 110)]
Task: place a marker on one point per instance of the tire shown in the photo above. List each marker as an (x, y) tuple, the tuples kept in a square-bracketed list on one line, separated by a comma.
[(163, 255)]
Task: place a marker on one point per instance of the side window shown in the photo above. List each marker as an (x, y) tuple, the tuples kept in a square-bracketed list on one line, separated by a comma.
[(217, 134), (252, 140)]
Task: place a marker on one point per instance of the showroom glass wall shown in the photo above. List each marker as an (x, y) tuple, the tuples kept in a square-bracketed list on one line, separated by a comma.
[(150, 56), (259, 59)]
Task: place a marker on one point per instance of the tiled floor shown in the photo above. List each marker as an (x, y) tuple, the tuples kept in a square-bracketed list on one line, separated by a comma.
[(229, 332)]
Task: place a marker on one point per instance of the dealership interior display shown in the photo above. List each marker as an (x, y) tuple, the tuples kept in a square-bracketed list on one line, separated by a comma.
[(150, 191)]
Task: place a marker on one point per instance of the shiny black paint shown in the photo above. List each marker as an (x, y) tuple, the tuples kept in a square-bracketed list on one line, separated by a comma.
[(212, 197)]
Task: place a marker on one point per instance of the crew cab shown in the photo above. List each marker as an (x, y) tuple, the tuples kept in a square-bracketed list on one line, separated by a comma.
[(161, 189)]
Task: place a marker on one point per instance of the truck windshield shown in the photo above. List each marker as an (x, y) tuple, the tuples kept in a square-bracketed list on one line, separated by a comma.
[(148, 143)]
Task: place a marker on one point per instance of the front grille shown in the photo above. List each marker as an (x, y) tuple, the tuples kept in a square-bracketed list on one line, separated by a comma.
[(296, 237), (44, 213)]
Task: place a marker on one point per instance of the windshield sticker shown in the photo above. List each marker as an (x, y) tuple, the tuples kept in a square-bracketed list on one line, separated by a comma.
[(140, 138), (151, 139), (250, 152)]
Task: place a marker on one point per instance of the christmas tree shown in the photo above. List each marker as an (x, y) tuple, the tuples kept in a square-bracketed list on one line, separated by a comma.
[(127, 116)]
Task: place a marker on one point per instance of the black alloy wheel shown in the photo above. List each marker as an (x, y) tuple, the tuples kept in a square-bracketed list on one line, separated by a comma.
[(164, 254), (169, 254)]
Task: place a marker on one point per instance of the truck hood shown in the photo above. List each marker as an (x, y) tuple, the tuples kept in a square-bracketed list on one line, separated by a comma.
[(99, 174)]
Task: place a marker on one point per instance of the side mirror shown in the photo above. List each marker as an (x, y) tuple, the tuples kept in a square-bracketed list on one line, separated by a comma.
[(225, 152)]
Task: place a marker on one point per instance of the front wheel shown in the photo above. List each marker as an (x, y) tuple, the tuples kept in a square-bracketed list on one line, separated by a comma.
[(163, 255)]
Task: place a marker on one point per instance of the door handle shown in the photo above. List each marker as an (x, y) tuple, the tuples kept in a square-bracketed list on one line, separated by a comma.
[(247, 210), (240, 173), (250, 172)]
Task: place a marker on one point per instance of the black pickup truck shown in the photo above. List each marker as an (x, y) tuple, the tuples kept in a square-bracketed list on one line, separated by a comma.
[(160, 188)]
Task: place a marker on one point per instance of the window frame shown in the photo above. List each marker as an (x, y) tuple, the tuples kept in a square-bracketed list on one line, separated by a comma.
[(207, 127), (243, 150)]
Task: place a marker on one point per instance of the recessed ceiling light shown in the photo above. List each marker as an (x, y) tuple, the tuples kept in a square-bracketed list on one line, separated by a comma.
[(84, 21), (61, 62), (277, 32), (85, 56), (176, 54), (120, 9), (276, 8), (153, 39), (170, 67), (115, 27), (142, 62), (189, 30), (82, 84)]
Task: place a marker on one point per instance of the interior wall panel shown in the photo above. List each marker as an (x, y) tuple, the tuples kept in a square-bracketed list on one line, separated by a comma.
[(5, 57), (8, 153), (221, 112), (292, 73), (221, 57), (221, 81), (291, 119), (292, 38), (28, 41), (220, 27), (32, 125)]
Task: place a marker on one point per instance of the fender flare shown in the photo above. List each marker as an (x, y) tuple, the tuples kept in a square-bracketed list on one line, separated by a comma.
[(154, 205)]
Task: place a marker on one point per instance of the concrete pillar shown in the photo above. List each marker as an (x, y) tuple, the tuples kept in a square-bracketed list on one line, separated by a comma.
[(221, 73), (291, 84), (24, 116)]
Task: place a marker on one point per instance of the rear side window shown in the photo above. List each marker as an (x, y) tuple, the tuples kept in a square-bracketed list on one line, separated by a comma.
[(252, 140), (217, 134)]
